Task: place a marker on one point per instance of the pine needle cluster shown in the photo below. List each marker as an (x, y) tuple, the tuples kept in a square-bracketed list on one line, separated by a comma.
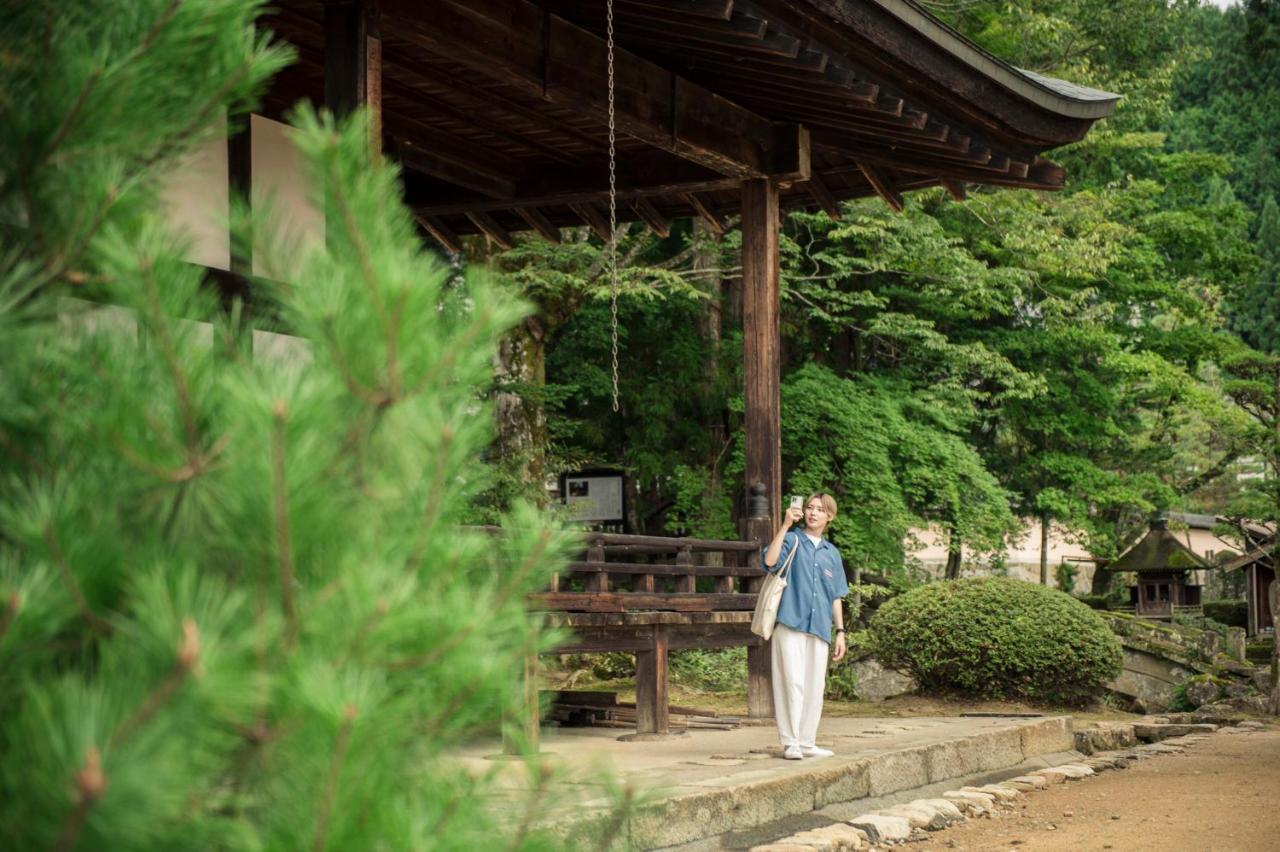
[(239, 607)]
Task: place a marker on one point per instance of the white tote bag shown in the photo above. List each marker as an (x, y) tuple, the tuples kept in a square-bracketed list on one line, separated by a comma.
[(766, 614)]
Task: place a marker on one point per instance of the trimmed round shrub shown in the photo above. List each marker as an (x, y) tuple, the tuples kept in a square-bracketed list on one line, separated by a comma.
[(998, 638), (1228, 612)]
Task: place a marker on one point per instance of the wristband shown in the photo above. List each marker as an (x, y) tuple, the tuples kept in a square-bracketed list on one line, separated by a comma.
[(839, 629)]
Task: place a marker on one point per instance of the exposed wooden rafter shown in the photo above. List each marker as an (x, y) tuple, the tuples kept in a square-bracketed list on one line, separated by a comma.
[(592, 218), (714, 222), (955, 189), (544, 55), (441, 233), (882, 185), (649, 214), (538, 222), (823, 196), (491, 229)]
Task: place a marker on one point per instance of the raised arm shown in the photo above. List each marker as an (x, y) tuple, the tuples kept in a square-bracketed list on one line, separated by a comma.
[(774, 550)]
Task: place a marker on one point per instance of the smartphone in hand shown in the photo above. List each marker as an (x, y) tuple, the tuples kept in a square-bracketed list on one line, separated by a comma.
[(797, 502)]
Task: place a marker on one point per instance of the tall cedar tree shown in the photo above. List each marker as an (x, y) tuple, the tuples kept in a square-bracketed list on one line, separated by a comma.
[(236, 607)]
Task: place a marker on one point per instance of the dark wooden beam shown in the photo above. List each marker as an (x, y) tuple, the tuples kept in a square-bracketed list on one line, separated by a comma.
[(491, 229), (546, 56), (649, 214), (538, 222), (353, 62), (441, 233), (882, 185), (823, 196), (711, 9), (955, 189), (593, 218), (714, 222), (453, 158)]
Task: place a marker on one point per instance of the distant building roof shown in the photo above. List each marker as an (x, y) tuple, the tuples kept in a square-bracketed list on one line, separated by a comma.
[(1159, 551)]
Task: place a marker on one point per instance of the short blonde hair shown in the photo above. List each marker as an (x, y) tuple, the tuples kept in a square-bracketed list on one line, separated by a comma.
[(828, 503)]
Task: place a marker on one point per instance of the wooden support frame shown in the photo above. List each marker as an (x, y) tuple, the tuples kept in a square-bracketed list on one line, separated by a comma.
[(649, 214), (823, 196), (441, 233), (538, 222), (882, 185), (760, 330), (353, 63), (955, 189), (714, 222), (592, 218), (491, 229), (545, 55)]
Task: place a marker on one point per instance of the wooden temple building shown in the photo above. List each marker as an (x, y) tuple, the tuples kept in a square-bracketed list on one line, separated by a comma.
[(1164, 569), (1258, 562), (498, 113)]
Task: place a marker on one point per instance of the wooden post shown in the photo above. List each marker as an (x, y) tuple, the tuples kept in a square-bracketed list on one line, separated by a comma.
[(686, 582), (761, 343), (596, 581), (652, 701), (353, 63), (761, 375)]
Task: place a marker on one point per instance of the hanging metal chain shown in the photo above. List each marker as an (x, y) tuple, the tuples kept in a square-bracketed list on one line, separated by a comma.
[(613, 208)]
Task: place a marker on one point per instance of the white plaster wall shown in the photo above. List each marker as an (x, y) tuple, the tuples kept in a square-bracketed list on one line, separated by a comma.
[(197, 198), (279, 181)]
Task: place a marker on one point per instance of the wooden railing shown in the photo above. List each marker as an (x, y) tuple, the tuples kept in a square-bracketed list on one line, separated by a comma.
[(624, 573)]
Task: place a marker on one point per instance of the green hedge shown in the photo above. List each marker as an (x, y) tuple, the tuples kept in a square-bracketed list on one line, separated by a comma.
[(998, 638), (1230, 613), (1095, 601)]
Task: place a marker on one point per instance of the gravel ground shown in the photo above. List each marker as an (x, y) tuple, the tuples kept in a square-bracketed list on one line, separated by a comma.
[(1222, 794)]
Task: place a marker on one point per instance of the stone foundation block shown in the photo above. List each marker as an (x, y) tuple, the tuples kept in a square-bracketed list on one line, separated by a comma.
[(1104, 737), (970, 801), (880, 828), (898, 771), (1002, 794), (841, 784), (1047, 736), (1156, 732), (831, 838)]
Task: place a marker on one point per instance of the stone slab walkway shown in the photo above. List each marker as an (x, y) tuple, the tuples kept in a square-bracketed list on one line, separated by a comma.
[(707, 783)]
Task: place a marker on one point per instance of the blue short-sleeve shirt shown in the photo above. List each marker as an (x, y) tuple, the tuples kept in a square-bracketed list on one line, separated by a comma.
[(816, 580)]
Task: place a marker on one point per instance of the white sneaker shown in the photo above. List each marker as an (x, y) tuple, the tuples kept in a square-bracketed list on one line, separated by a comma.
[(792, 753), (815, 751)]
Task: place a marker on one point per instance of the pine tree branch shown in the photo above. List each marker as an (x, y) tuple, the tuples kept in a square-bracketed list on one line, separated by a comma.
[(90, 784), (284, 555), (188, 656), (620, 814), (11, 608), (160, 328), (19, 453), (434, 496), (331, 783), (532, 806), (371, 621), (73, 587), (462, 344), (505, 591)]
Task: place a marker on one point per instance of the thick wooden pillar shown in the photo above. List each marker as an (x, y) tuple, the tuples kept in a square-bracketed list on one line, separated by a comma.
[(761, 345), (763, 416), (353, 62), (652, 700)]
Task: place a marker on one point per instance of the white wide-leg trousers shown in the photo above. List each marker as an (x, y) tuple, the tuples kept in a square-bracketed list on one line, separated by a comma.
[(799, 679)]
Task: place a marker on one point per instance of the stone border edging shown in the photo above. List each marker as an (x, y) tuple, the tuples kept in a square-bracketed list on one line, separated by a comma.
[(908, 822)]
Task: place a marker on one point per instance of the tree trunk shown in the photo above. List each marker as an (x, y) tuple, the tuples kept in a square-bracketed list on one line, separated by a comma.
[(522, 421), (955, 550), (1273, 595), (1101, 583), (1044, 548)]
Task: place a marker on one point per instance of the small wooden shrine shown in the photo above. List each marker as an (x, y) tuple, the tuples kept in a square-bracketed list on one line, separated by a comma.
[(1165, 583)]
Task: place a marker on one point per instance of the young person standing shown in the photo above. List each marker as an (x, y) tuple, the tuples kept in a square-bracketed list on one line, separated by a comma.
[(802, 639)]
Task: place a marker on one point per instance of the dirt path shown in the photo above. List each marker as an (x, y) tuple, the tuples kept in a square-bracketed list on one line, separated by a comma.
[(1222, 794)]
